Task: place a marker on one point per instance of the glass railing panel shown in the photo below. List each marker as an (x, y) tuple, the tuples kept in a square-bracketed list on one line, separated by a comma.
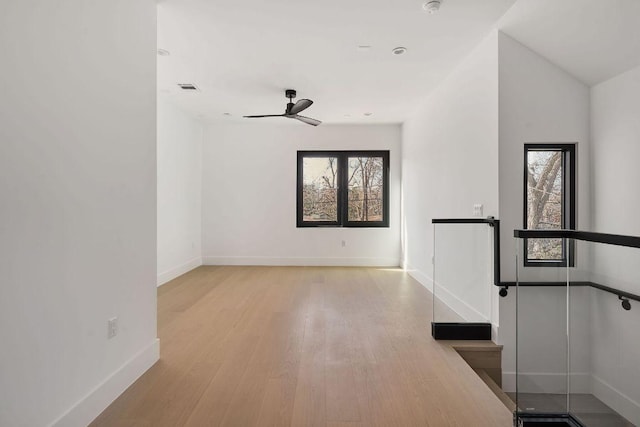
[(604, 345), (542, 375), (462, 273), (578, 327)]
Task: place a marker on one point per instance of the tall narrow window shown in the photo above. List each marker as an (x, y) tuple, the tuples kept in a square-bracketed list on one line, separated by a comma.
[(549, 203), (343, 189)]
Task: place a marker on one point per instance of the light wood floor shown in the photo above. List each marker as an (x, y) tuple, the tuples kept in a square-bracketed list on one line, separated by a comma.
[(281, 346)]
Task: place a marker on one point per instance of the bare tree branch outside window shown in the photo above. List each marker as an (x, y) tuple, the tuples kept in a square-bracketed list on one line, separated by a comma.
[(320, 191), (366, 188), (544, 202)]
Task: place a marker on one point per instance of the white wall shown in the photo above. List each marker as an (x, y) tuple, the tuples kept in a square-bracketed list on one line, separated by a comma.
[(249, 196), (538, 103), (179, 192), (615, 132), (77, 206), (450, 162)]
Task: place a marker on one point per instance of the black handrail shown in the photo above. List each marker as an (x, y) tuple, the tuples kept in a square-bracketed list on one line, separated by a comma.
[(587, 236), (622, 295), (492, 222), (487, 220)]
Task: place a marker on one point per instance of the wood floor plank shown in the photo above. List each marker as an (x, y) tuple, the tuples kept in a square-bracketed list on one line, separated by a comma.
[(302, 346), (309, 408), (277, 406), (214, 402)]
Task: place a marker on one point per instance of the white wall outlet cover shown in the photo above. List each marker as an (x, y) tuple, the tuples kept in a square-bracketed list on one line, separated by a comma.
[(478, 209)]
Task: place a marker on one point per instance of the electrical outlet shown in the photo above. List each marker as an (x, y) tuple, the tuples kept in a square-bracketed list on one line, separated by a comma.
[(344, 243), (112, 327), (477, 210)]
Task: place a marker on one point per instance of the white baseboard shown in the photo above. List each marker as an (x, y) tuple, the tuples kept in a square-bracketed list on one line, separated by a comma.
[(294, 261), (420, 277), (89, 407), (460, 307), (616, 400), (544, 382), (178, 271)]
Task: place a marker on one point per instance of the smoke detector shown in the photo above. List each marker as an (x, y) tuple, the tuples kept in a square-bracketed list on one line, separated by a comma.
[(432, 6)]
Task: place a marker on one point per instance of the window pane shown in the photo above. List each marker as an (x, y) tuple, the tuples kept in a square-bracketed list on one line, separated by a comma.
[(545, 249), (320, 189), (545, 201), (366, 186)]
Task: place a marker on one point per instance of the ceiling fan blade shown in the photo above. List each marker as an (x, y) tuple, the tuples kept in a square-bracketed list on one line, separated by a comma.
[(307, 120), (265, 115), (300, 106)]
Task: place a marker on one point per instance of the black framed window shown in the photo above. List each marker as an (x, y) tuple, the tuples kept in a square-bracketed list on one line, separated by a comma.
[(549, 201), (343, 189)]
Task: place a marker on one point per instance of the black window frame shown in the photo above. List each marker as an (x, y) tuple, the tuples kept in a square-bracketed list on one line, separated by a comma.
[(343, 191), (568, 201)]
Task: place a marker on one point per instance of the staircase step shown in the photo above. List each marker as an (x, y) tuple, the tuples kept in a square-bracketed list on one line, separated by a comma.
[(485, 358), (495, 388), (485, 355), (475, 345)]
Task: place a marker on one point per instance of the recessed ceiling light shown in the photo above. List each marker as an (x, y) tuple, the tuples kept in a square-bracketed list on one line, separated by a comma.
[(432, 6), (226, 114), (368, 114), (399, 50), (364, 48), (163, 52)]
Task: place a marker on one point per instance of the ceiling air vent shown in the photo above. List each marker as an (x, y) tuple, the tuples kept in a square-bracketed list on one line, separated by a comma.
[(187, 86)]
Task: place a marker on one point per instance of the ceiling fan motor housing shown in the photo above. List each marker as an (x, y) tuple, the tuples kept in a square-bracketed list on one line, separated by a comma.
[(289, 93), (292, 110)]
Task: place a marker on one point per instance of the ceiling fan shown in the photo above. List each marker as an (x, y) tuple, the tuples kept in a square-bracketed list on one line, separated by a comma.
[(293, 109)]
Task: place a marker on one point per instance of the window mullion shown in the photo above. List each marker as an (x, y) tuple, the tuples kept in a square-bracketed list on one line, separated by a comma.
[(343, 191)]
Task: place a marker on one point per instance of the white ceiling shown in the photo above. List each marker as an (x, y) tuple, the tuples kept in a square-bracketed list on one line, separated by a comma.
[(593, 40), (242, 54)]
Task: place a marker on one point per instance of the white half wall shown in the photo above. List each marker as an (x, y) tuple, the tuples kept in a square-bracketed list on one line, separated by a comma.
[(450, 161), (77, 206), (179, 192), (615, 132), (249, 196), (539, 103)]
